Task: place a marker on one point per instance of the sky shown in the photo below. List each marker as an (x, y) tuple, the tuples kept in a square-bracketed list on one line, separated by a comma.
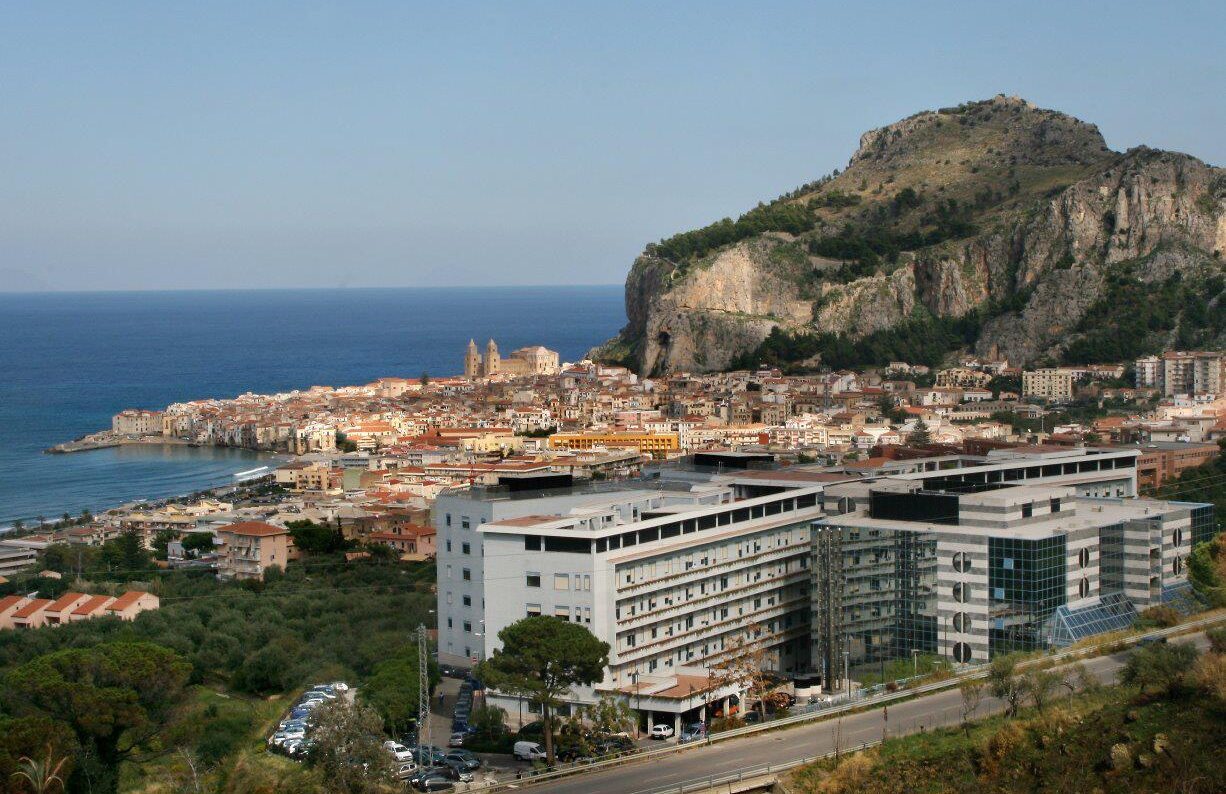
[(156, 145)]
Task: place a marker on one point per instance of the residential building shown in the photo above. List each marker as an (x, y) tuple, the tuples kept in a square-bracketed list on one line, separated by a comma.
[(134, 422), (21, 612), (250, 548), (657, 444), (1048, 384)]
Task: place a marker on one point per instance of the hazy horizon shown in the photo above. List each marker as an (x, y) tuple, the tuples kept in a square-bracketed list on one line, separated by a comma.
[(153, 146)]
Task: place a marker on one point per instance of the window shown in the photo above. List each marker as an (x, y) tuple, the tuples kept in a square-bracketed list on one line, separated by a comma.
[(1177, 565), (467, 600), (448, 544), (534, 580), (561, 581), (447, 519), (1027, 510), (961, 592), (961, 622), (468, 627), (448, 571), (467, 575), (533, 609), (1055, 505), (449, 623), (534, 707), (532, 542), (465, 523), (562, 612), (1178, 536), (962, 562), (466, 548), (962, 652), (1083, 557), (587, 582), (1083, 587)]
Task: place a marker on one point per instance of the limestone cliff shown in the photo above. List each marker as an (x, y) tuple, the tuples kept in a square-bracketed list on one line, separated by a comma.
[(1015, 217)]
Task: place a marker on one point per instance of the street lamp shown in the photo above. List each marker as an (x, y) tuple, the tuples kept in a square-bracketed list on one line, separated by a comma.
[(915, 661)]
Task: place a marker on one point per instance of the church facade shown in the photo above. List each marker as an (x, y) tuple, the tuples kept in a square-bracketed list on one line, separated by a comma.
[(534, 360)]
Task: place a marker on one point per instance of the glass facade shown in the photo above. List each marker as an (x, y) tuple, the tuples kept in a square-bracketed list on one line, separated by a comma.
[(875, 597), (1026, 584)]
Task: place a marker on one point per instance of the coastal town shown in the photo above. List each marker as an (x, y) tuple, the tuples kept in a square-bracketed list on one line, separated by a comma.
[(375, 458)]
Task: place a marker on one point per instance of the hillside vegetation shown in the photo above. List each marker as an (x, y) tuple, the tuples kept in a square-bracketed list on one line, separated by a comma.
[(1159, 733)]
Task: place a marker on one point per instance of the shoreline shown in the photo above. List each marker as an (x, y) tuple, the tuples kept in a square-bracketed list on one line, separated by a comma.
[(105, 439), (230, 481)]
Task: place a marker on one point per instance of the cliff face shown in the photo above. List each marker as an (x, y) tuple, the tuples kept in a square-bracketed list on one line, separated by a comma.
[(1015, 215)]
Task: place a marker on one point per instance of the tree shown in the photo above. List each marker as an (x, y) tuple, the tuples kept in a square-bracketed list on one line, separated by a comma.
[(610, 715), (199, 541), (347, 748), (42, 776), (116, 697), (489, 722), (541, 658), (392, 691), (1207, 570), (1162, 665), (1004, 682), (160, 542), (744, 666), (424, 380), (1040, 684), (316, 538), (972, 692), (920, 436)]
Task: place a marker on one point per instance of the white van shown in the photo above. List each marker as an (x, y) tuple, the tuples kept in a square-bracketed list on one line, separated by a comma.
[(528, 751)]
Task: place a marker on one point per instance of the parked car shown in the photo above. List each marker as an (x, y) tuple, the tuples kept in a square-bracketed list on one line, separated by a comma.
[(458, 767), (528, 751), (405, 770), (430, 780), (428, 755), (750, 717), (661, 731), (470, 760), (457, 738), (398, 751), (694, 732)]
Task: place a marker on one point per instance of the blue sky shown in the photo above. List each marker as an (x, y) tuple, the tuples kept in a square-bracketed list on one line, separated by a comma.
[(219, 145)]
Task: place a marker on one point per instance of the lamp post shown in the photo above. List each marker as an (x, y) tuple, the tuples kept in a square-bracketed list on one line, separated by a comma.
[(915, 662)]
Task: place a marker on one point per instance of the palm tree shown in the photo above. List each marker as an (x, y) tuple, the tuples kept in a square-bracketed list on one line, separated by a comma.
[(41, 775)]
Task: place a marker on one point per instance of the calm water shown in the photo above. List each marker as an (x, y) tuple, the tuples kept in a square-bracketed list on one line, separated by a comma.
[(70, 361)]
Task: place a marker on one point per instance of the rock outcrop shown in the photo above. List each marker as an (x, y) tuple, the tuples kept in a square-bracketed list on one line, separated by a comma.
[(998, 208)]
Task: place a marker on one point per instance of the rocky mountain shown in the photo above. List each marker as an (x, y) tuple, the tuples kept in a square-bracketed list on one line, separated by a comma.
[(995, 226)]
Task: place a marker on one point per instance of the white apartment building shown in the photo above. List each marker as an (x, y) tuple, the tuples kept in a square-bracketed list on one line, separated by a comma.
[(672, 578)]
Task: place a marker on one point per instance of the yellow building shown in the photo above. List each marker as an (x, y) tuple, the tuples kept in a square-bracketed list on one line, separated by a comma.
[(1050, 384), (645, 443)]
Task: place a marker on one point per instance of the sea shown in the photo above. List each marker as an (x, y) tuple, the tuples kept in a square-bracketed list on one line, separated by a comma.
[(69, 361)]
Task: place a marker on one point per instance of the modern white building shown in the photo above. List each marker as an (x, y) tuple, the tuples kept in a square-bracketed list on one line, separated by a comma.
[(904, 570)]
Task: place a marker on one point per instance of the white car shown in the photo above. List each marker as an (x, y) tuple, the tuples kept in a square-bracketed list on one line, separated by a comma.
[(398, 751), (661, 731), (340, 686)]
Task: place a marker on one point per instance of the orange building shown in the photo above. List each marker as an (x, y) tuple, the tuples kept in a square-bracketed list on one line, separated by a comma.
[(249, 548)]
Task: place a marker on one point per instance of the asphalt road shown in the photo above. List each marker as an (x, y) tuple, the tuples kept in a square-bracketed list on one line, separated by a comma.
[(792, 744)]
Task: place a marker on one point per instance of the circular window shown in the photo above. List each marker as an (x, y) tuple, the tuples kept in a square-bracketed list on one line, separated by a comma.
[(962, 652), (961, 622), (1178, 537), (962, 562), (1083, 557), (1083, 587), (1177, 565), (961, 592)]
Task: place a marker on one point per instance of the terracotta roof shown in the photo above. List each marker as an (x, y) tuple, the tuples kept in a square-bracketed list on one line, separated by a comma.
[(8, 601), (528, 521), (92, 605), (65, 601), (126, 600), (34, 606), (256, 529)]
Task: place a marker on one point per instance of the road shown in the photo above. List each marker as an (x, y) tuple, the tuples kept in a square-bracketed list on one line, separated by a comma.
[(792, 744)]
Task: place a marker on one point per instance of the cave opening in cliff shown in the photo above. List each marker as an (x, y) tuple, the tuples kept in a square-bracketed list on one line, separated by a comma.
[(663, 338)]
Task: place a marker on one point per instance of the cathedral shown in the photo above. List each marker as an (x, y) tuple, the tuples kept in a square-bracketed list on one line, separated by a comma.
[(525, 361)]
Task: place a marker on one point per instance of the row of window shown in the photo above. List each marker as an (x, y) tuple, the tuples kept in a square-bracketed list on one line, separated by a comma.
[(561, 581)]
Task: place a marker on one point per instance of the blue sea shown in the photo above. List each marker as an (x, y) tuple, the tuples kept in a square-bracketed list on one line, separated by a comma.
[(68, 361)]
